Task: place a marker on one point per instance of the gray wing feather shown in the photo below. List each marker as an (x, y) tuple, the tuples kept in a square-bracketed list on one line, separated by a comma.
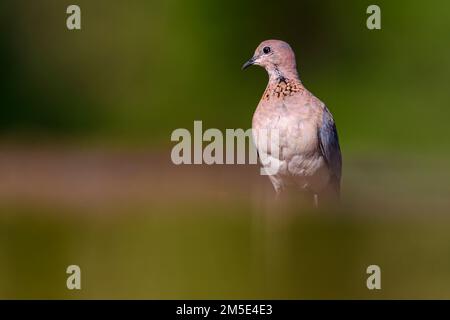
[(329, 146)]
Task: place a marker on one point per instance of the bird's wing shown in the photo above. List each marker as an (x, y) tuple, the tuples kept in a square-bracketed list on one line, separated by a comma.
[(329, 146)]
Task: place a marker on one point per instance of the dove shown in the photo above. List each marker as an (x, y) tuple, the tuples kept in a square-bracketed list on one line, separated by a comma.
[(307, 152)]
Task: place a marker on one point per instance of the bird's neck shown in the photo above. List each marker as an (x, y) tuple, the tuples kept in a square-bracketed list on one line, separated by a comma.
[(279, 74)]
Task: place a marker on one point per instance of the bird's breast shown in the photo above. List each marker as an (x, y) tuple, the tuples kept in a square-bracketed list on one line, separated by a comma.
[(295, 130), (293, 142)]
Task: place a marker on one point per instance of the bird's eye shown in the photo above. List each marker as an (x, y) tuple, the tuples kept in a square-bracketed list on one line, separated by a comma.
[(266, 50)]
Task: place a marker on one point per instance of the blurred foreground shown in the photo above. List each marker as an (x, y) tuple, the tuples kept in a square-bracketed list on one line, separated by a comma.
[(140, 227)]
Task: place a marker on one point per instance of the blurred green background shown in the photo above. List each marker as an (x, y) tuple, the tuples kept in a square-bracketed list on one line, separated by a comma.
[(85, 172)]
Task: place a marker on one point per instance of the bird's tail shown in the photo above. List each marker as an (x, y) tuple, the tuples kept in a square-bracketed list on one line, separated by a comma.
[(332, 193)]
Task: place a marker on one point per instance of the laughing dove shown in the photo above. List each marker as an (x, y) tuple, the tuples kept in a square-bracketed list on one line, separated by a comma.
[(307, 152)]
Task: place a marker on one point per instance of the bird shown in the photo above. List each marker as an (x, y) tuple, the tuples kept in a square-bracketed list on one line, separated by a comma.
[(307, 152)]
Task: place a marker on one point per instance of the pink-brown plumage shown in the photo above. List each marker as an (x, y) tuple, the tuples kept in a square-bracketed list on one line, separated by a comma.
[(308, 152)]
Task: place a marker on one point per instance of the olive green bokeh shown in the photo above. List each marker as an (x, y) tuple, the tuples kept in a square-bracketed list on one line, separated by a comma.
[(140, 69)]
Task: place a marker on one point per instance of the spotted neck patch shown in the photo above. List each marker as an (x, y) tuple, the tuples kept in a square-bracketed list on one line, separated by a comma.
[(283, 87)]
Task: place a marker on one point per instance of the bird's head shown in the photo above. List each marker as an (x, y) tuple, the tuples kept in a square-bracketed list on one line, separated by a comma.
[(277, 57)]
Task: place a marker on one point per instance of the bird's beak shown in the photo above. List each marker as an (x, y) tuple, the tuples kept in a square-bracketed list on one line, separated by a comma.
[(249, 63)]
